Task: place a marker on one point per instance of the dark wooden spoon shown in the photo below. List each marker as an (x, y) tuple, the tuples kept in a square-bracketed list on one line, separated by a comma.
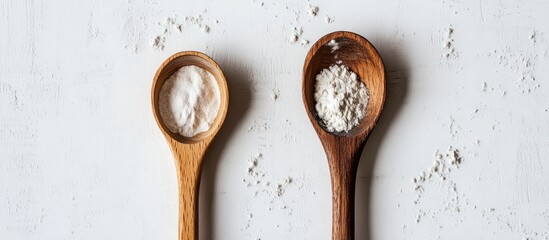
[(343, 149)]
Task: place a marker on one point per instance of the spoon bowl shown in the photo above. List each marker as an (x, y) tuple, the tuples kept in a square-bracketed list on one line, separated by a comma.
[(343, 149), (359, 56), (168, 68), (188, 152)]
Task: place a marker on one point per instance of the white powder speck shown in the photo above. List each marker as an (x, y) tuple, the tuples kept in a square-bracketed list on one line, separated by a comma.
[(281, 187), (205, 29), (257, 181), (259, 125), (169, 21), (293, 38), (341, 99), (312, 10), (448, 44), (252, 165), (275, 94), (533, 37), (158, 43), (329, 19), (189, 101), (296, 34), (419, 216), (441, 167), (520, 63), (171, 24), (455, 157), (333, 44)]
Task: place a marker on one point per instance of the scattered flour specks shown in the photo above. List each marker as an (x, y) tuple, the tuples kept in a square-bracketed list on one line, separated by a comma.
[(158, 43), (8, 98), (444, 198), (296, 21), (420, 215), (296, 34), (534, 37), (312, 10), (455, 129), (281, 187), (265, 189), (329, 19), (334, 45), (441, 168), (171, 24), (522, 64), (448, 43), (260, 125), (275, 94), (255, 179)]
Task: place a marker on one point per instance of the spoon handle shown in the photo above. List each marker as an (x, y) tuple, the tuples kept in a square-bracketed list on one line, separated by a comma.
[(188, 162), (343, 206), (343, 170)]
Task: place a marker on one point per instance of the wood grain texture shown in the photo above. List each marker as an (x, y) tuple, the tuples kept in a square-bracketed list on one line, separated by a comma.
[(343, 149), (189, 152)]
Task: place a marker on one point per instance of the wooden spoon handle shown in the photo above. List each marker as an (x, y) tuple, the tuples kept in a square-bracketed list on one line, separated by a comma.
[(188, 203), (188, 159), (343, 203), (343, 160)]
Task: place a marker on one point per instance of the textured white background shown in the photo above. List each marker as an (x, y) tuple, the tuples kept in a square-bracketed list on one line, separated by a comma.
[(82, 158)]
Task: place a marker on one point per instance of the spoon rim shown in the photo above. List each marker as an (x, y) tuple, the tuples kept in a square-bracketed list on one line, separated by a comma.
[(221, 81)]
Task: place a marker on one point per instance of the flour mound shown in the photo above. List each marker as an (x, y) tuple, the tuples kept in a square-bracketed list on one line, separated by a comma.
[(189, 101), (341, 99)]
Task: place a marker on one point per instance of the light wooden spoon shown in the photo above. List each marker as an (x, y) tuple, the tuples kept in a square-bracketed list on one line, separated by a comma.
[(343, 150), (189, 152)]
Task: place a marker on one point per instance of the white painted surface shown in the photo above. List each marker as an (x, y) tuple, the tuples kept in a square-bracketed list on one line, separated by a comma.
[(81, 156)]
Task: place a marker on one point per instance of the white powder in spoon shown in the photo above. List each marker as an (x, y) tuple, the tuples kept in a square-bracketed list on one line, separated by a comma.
[(189, 101), (341, 99)]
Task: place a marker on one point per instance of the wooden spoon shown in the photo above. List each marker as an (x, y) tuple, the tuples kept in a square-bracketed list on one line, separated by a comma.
[(189, 152), (343, 149)]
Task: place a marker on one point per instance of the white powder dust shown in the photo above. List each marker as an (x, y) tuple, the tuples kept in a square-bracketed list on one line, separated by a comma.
[(333, 44), (296, 34), (341, 99), (448, 43), (281, 187), (172, 24), (438, 179), (189, 101), (256, 179), (158, 43), (275, 94), (521, 65), (534, 37), (260, 125), (441, 167), (312, 10)]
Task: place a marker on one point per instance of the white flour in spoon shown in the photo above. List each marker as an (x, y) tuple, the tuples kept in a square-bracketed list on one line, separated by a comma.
[(189, 101), (341, 99)]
